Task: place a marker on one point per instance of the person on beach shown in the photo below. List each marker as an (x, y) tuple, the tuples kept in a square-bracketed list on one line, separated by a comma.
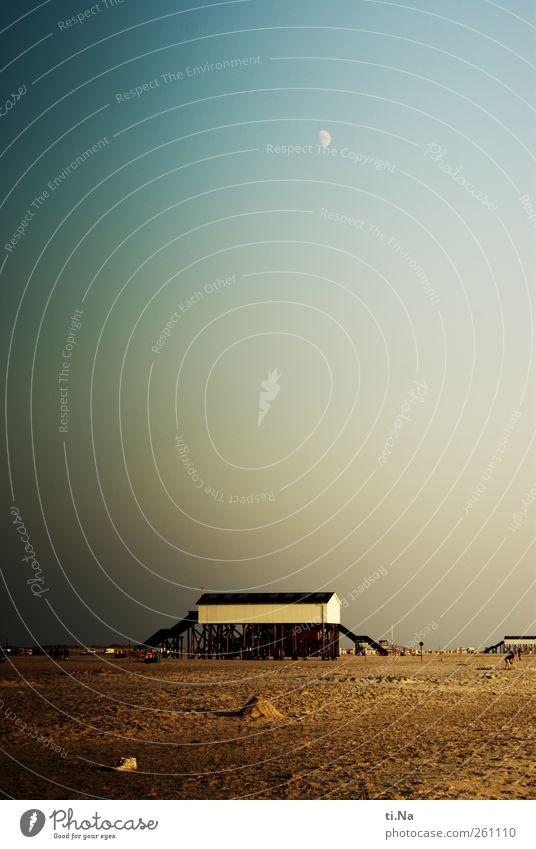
[(519, 654), (509, 660)]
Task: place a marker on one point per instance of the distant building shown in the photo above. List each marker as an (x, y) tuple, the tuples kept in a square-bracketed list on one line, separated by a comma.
[(514, 642), (523, 643), (261, 626)]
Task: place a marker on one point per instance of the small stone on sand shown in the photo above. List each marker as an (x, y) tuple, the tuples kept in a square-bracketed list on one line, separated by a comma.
[(126, 765)]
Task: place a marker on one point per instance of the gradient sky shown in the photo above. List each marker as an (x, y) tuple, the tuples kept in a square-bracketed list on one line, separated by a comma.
[(387, 277)]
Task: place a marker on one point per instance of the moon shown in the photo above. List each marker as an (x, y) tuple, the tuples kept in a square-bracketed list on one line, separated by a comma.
[(324, 138)]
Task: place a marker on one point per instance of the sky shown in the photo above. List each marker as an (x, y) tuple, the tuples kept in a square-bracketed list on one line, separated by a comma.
[(267, 281)]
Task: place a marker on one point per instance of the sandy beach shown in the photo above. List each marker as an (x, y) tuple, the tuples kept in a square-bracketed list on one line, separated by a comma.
[(451, 727)]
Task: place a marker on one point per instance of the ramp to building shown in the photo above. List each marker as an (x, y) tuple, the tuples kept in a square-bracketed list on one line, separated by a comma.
[(175, 631), (497, 647), (357, 638)]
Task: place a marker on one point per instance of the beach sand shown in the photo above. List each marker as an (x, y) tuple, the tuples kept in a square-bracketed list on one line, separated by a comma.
[(451, 727)]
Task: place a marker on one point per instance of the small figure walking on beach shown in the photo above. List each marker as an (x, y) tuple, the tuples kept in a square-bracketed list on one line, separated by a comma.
[(519, 654), (509, 660)]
